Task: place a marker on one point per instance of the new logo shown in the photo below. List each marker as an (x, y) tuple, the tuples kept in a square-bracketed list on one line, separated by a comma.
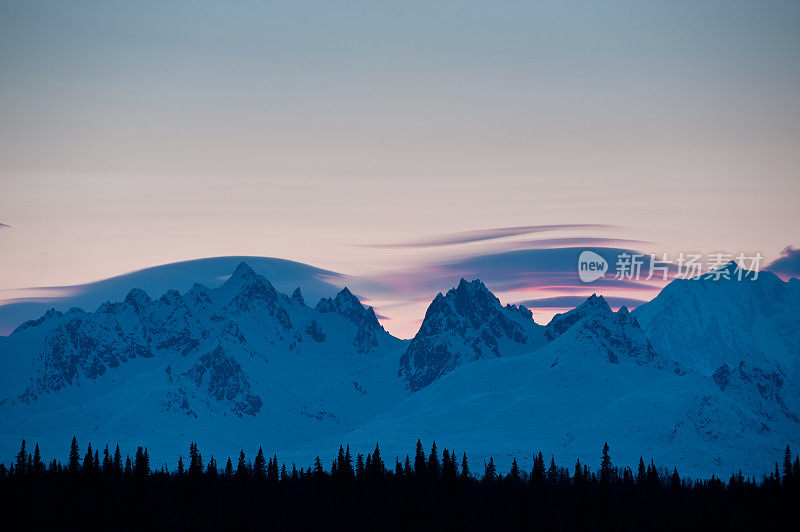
[(591, 266)]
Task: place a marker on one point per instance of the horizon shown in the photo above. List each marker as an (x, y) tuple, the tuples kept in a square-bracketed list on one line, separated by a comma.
[(62, 296)]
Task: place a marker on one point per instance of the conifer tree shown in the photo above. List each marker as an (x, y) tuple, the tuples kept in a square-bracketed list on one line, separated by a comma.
[(359, 465), (74, 457), (211, 469), (464, 467), (490, 472), (272, 471), (38, 467), (107, 464), (419, 460), (128, 467), (88, 460), (117, 461), (513, 473), (538, 473), (259, 466), (22, 458), (318, 470), (180, 466), (433, 462), (787, 466), (641, 475), (346, 467), (578, 476), (605, 465), (377, 463), (552, 472), (229, 468)]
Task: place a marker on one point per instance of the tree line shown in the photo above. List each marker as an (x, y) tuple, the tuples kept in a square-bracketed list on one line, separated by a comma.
[(431, 491)]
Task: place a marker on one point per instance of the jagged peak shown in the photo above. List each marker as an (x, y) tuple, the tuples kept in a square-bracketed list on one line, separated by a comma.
[(171, 297), (623, 310), (243, 271), (51, 313), (297, 297), (138, 298), (472, 288), (247, 284), (594, 307), (345, 297)]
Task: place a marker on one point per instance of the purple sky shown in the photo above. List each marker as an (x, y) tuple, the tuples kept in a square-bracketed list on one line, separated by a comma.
[(404, 144)]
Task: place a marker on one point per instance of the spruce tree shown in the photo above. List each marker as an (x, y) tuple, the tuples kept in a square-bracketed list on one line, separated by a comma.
[(377, 462), (347, 467), (259, 466), (513, 474), (229, 468), (641, 475), (787, 466), (117, 461), (74, 457), (552, 473), (490, 472), (22, 458), (538, 473), (419, 460), (359, 465), (318, 470), (464, 467), (107, 464), (578, 476), (605, 465), (38, 467), (88, 460), (211, 469), (180, 466), (433, 462)]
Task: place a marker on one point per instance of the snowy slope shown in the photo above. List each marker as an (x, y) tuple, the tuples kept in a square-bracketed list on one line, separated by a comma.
[(242, 362), (243, 365), (285, 275), (598, 380)]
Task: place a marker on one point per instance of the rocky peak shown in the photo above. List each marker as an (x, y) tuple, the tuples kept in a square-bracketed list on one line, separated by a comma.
[(467, 324), (138, 299), (297, 297), (595, 307)]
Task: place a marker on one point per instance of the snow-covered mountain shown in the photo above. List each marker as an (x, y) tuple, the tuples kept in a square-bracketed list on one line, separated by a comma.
[(745, 334), (717, 320), (241, 358), (284, 274), (243, 365), (598, 380), (467, 324)]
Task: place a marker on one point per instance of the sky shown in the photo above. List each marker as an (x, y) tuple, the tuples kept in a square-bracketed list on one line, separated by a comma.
[(399, 143)]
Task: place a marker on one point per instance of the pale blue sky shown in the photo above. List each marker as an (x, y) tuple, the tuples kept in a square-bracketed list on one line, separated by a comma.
[(133, 134)]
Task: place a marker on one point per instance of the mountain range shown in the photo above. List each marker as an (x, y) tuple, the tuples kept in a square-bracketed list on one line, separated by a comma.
[(704, 377)]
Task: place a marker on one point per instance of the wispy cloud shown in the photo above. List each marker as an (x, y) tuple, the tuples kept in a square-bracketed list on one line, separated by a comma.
[(788, 264), (4, 226), (466, 237)]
